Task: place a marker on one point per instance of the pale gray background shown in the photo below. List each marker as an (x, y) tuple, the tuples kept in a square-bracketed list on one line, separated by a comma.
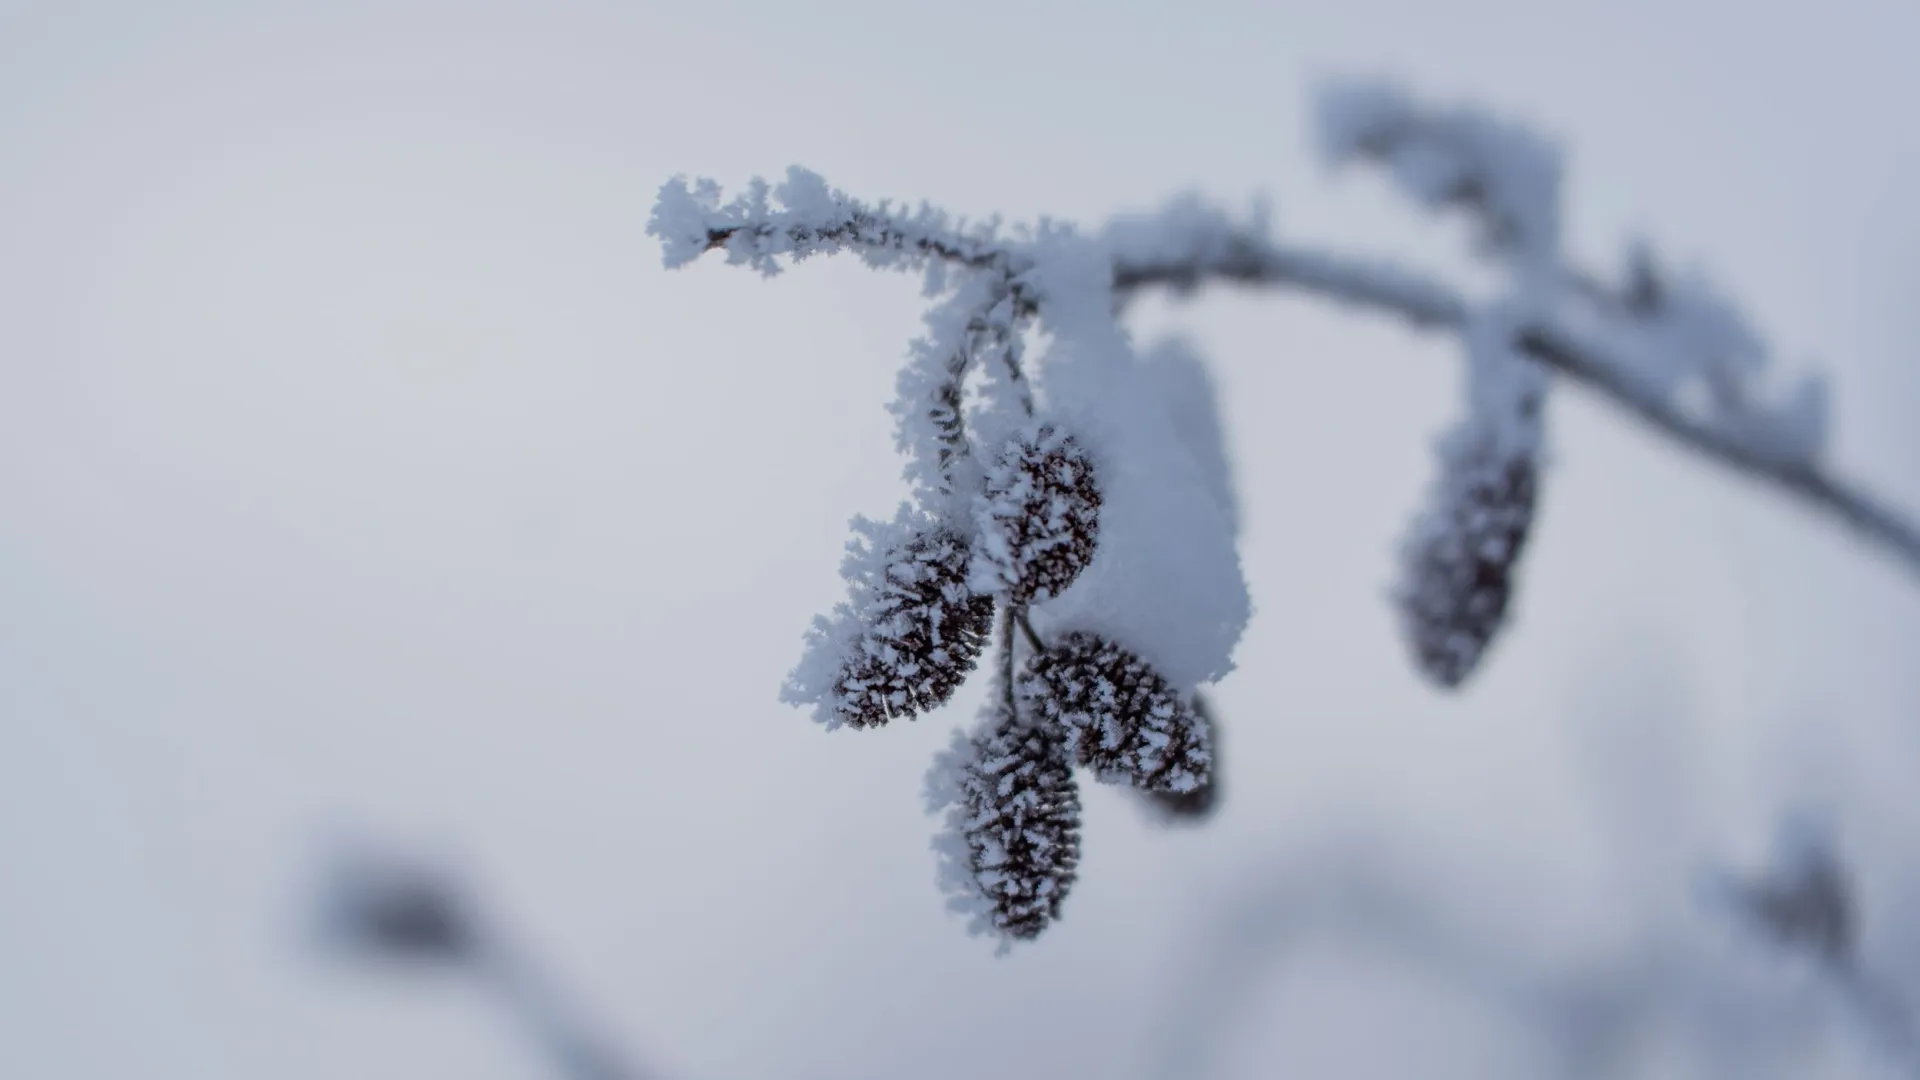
[(360, 467)]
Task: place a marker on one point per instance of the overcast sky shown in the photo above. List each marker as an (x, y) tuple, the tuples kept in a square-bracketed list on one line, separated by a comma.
[(361, 468)]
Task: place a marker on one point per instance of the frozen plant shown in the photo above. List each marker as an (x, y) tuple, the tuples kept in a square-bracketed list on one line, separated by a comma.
[(1803, 903), (1076, 487)]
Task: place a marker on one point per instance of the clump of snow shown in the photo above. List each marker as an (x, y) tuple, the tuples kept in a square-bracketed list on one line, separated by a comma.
[(1186, 390), (1187, 231), (929, 394), (1505, 389), (1680, 339), (1166, 579)]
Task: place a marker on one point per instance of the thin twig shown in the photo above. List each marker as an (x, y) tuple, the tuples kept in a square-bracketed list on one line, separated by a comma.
[(1007, 662), (1027, 631)]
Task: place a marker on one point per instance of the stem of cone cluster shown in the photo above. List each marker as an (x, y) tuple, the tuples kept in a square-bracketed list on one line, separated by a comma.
[(1026, 630)]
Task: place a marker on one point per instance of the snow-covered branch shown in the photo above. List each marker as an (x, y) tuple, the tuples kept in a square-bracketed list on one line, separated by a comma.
[(1605, 367), (1084, 497), (1505, 176), (801, 217)]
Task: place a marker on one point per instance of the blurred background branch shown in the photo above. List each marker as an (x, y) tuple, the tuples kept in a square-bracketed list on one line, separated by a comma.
[(380, 907)]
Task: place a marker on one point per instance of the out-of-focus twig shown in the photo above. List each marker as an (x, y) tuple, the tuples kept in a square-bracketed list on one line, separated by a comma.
[(1250, 258), (1595, 1018), (1804, 904), (381, 908)]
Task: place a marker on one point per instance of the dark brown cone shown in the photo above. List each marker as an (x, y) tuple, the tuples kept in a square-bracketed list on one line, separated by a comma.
[(1020, 823), (923, 636), (1122, 718), (1459, 577), (1195, 806), (1039, 517)]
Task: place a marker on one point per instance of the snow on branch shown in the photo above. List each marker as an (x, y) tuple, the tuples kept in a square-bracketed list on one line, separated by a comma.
[(1680, 337), (1775, 445), (1188, 244), (1084, 497), (802, 216), (1507, 177)]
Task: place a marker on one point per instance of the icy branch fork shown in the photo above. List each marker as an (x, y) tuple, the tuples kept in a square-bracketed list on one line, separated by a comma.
[(1188, 245)]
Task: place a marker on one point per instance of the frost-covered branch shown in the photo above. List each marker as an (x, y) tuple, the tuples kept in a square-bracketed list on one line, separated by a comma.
[(1174, 258), (1246, 258), (1503, 175), (1091, 515), (1085, 496)]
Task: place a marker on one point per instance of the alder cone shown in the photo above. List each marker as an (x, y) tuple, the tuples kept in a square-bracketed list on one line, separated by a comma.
[(1461, 558), (924, 634), (1122, 718), (1197, 805), (1020, 822), (1039, 517)]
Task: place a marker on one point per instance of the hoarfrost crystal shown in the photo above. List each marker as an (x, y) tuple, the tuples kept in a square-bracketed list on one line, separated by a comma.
[(1086, 492)]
